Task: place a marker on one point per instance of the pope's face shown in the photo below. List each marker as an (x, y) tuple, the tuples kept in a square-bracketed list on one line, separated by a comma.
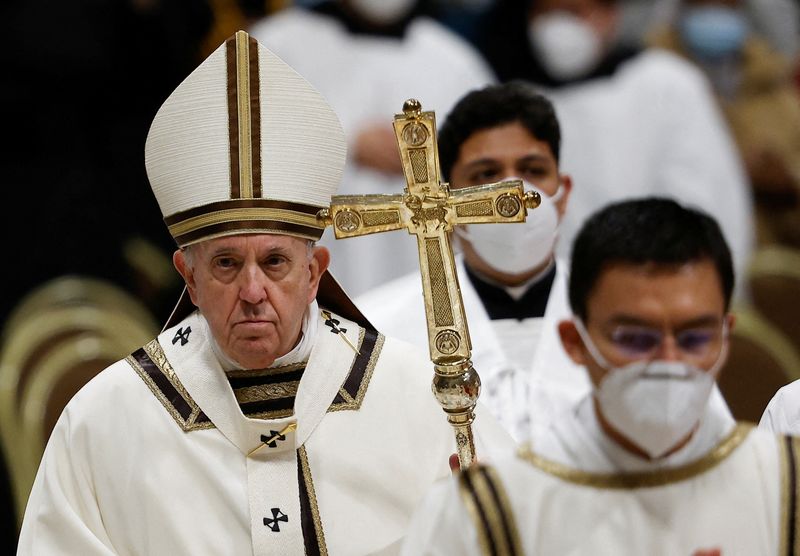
[(253, 290)]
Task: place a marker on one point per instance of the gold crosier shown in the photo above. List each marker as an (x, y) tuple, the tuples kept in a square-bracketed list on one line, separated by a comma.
[(429, 209)]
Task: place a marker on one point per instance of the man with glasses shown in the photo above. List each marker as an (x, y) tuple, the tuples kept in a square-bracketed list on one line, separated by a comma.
[(647, 462)]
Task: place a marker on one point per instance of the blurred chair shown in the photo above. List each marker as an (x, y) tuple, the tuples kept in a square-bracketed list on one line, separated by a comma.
[(59, 337), (760, 361), (774, 281)]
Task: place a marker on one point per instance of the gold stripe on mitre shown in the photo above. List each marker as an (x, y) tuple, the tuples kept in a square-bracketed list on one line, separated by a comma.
[(238, 216)]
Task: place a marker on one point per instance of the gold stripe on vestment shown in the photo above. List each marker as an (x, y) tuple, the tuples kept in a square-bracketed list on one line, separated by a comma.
[(790, 495), (312, 500), (487, 503), (644, 479)]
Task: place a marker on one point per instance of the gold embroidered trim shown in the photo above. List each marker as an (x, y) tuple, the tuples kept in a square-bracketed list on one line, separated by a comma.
[(796, 496), (485, 498), (350, 402), (243, 214), (783, 460), (789, 449), (276, 414), (507, 511), (644, 479), (242, 373), (266, 392), (472, 509), (156, 353), (312, 499)]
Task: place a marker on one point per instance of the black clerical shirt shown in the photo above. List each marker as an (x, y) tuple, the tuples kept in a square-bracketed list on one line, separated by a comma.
[(500, 305)]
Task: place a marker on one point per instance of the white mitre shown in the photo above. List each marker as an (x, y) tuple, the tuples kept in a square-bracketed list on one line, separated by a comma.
[(246, 145)]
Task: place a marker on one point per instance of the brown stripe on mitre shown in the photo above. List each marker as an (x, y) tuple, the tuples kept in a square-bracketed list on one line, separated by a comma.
[(241, 216), (233, 114), (255, 118), (244, 116)]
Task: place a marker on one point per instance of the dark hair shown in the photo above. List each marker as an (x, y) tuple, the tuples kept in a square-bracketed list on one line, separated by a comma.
[(641, 231), (494, 105)]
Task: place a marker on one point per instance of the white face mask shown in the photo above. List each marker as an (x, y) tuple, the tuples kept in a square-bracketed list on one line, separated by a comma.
[(654, 404), (519, 247), (566, 46), (383, 12)]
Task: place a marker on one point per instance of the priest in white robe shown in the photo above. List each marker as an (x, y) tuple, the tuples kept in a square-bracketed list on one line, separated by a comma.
[(367, 57), (272, 419), (514, 289), (648, 462)]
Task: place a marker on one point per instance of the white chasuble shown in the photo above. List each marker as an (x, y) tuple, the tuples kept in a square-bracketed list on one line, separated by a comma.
[(739, 498), (166, 453)]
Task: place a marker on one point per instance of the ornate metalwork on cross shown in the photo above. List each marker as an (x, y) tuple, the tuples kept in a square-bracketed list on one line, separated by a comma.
[(429, 209)]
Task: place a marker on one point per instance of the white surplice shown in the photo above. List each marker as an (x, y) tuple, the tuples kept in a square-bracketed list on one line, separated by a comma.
[(782, 414), (652, 128), (155, 456), (366, 79), (573, 491), (522, 394)]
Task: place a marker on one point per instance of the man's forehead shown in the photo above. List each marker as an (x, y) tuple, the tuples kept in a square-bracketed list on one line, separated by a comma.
[(631, 287), (509, 140)]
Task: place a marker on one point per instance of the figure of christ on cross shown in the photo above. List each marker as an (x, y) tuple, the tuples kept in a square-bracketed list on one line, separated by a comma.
[(428, 209)]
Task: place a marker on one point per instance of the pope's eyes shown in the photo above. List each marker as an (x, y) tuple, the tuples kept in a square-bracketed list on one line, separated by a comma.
[(225, 262), (275, 261)]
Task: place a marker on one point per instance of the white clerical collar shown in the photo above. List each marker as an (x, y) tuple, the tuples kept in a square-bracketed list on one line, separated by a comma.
[(516, 292), (300, 352)]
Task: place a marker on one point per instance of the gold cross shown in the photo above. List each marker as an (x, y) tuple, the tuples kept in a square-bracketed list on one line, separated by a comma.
[(430, 210)]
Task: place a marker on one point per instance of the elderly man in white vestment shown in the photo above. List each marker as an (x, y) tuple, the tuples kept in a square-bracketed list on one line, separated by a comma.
[(513, 287), (645, 464), (367, 57), (274, 419)]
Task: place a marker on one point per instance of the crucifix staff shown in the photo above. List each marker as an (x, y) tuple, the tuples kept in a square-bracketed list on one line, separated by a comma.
[(428, 209)]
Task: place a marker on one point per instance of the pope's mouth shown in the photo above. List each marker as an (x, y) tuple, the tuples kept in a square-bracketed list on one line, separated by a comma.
[(254, 324)]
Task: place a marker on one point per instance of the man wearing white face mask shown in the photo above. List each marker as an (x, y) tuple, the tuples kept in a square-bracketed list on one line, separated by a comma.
[(513, 288), (648, 463), (638, 121)]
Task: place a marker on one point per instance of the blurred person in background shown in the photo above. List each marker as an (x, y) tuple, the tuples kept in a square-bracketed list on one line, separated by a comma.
[(754, 87), (635, 121), (367, 57)]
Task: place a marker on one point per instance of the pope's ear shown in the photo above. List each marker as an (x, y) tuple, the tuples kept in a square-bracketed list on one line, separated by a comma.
[(571, 341), (185, 270)]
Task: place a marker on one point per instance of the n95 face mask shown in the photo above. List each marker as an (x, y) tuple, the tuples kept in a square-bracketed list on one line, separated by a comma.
[(654, 404), (383, 11), (519, 247), (566, 46)]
